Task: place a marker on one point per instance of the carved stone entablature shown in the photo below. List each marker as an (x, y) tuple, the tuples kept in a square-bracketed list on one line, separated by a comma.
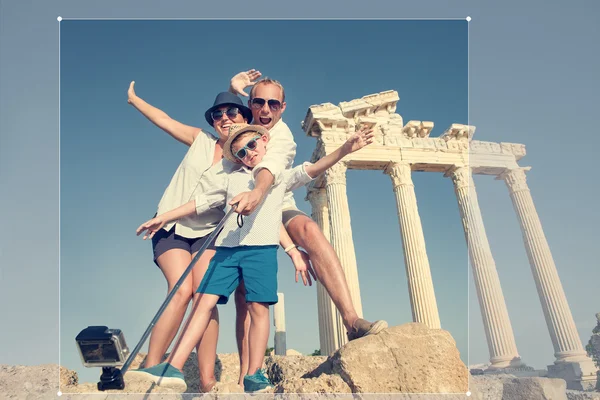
[(417, 129), (378, 104), (458, 132), (516, 149), (322, 117)]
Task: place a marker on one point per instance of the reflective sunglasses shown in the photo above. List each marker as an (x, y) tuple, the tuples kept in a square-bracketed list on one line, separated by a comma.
[(258, 103), (251, 145), (231, 112)]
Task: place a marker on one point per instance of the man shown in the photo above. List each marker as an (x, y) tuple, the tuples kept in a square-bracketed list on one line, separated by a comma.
[(267, 103)]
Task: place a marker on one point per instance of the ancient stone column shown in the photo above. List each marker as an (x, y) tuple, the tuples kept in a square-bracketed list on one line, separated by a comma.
[(420, 285), (341, 230), (279, 322), (331, 325), (572, 362), (496, 323)]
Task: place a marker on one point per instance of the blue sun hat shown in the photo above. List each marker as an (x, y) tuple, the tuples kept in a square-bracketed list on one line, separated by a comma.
[(228, 99)]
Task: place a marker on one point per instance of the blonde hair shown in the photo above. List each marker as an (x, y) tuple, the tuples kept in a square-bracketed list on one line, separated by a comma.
[(267, 81)]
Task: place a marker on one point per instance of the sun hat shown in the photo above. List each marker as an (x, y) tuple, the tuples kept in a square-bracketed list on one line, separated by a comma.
[(228, 99), (235, 131)]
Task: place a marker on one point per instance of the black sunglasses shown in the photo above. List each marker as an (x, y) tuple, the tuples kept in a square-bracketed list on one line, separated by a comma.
[(231, 112), (258, 103), (251, 145)]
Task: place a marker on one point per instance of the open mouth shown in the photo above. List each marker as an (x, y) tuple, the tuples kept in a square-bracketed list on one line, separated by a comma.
[(264, 120)]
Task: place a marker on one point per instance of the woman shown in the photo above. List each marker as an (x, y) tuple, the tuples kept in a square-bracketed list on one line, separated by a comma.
[(176, 244)]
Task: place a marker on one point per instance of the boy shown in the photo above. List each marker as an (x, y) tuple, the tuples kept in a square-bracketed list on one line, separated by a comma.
[(248, 253)]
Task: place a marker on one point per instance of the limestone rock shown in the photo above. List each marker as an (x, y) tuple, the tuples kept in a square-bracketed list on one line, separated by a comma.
[(292, 352), (510, 387), (409, 358), (322, 384), (289, 367)]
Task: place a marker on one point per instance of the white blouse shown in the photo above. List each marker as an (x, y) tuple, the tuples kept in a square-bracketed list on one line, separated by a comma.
[(186, 180)]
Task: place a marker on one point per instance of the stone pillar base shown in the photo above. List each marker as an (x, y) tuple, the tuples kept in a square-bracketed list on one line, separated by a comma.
[(579, 375), (502, 363), (280, 345)]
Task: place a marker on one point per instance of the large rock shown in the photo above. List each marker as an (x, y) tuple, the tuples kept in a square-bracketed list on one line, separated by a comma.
[(510, 387), (409, 358)]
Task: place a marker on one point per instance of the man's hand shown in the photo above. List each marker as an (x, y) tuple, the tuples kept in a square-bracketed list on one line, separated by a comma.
[(248, 201), (359, 140), (152, 226), (303, 267), (131, 92), (242, 80)]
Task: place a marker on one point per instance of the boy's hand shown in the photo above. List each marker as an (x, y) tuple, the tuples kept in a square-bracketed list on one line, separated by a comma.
[(152, 226), (131, 92), (242, 80), (248, 201), (301, 262), (359, 140)]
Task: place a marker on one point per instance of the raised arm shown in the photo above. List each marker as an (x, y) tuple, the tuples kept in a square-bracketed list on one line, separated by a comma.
[(183, 133), (355, 142)]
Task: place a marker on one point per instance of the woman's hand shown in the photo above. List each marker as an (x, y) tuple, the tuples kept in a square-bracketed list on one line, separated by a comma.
[(303, 267), (152, 226), (242, 80), (131, 92)]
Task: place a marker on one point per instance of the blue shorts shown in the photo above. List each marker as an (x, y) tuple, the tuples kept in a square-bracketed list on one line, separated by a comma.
[(256, 265)]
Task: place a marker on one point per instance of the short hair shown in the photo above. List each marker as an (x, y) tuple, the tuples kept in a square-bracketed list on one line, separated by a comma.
[(266, 81)]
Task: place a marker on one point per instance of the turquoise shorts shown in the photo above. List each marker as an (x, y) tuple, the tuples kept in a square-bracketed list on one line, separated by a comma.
[(256, 265)]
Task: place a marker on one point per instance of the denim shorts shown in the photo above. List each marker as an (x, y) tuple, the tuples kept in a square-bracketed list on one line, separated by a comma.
[(256, 265), (164, 241)]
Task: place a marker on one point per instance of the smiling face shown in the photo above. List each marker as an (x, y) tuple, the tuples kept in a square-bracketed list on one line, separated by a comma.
[(253, 144), (267, 102), (224, 117)]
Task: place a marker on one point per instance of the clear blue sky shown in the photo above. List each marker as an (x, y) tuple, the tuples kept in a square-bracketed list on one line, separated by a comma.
[(525, 87)]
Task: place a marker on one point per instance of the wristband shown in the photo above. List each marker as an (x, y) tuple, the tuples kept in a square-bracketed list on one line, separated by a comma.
[(290, 248)]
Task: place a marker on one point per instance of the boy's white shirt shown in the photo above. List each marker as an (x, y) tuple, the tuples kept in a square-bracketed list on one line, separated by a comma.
[(261, 228)]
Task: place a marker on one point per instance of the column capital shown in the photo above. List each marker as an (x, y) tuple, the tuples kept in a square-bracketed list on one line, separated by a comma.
[(317, 198), (515, 179), (400, 173), (336, 173), (461, 176)]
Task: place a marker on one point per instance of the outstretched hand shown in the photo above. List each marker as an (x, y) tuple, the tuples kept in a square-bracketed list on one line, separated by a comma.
[(242, 80), (152, 226), (131, 92), (359, 140), (303, 267)]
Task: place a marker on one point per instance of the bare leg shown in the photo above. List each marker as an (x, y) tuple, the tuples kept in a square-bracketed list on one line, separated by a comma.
[(307, 234), (258, 335), (194, 330), (242, 328), (206, 349), (172, 263)]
